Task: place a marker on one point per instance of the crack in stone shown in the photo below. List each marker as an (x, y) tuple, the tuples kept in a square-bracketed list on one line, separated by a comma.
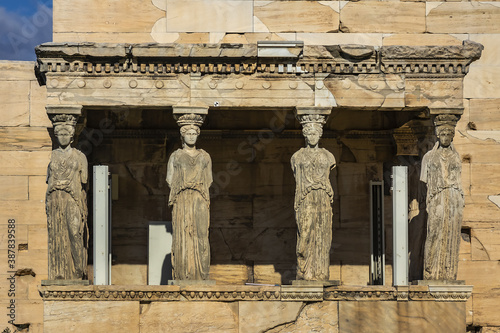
[(484, 249), (284, 325)]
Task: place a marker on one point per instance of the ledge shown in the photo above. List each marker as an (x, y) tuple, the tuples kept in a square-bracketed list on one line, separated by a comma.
[(231, 293)]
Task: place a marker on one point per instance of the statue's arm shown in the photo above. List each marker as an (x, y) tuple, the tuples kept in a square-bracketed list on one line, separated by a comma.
[(209, 171), (170, 170), (84, 172), (293, 162)]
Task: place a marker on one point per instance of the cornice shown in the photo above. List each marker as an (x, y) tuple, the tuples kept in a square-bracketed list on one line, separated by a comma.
[(99, 59)]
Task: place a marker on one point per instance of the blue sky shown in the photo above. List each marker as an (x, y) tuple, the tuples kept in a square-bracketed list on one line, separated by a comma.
[(23, 25)]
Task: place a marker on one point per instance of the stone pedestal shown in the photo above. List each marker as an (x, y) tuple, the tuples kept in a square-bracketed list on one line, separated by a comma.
[(185, 283), (329, 283), (65, 282), (239, 309), (438, 282)]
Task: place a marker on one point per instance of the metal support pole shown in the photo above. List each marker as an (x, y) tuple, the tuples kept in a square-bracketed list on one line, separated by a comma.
[(400, 225)]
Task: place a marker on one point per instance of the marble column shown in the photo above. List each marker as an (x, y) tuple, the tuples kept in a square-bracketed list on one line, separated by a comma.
[(311, 166), (66, 199), (189, 176), (441, 172)]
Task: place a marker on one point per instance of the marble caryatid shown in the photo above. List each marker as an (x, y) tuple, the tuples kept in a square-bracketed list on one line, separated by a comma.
[(311, 166), (441, 171), (66, 204), (189, 176)]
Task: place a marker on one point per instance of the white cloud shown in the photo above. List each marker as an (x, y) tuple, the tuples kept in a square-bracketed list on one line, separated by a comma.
[(20, 34)]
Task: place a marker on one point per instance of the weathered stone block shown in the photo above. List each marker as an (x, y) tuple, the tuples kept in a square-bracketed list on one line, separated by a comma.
[(313, 317), (378, 16), (76, 316), (37, 237), (189, 317), (250, 37), (368, 91), (352, 179), (262, 316), (485, 308), (355, 274), (24, 163), (112, 16), (463, 17), (37, 187), (209, 16), (323, 38), (230, 273), (485, 244), (24, 212), (29, 311), (438, 93), (15, 101), (278, 273), (104, 37), (480, 172), (16, 70), (257, 90), (14, 187), (355, 211), (491, 48), (302, 16), (485, 113), (24, 139), (279, 207), (479, 210), (482, 82), (124, 274), (38, 100), (35, 259), (402, 316), (424, 39), (231, 211)]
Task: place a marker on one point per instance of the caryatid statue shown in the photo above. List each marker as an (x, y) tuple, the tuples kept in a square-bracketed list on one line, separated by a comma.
[(441, 171), (189, 176), (66, 204), (311, 166)]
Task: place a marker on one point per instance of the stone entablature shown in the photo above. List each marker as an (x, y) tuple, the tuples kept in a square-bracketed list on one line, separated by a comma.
[(103, 59), (246, 75), (230, 293)]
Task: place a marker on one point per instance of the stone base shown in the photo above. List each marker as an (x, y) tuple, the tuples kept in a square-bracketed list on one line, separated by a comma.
[(184, 283), (308, 283), (236, 308), (65, 282), (439, 282)]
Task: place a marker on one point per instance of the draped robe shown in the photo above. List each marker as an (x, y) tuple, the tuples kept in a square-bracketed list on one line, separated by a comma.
[(441, 171), (313, 212), (66, 208), (189, 178)]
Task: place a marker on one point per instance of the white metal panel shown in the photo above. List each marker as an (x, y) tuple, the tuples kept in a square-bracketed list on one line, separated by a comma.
[(101, 234), (400, 225), (160, 253)]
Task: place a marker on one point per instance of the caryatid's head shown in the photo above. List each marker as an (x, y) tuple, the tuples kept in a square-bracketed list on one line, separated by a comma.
[(189, 134), (64, 134), (312, 132), (445, 134)]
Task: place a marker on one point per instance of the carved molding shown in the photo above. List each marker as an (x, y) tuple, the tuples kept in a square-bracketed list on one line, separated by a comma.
[(230, 293), (166, 59)]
